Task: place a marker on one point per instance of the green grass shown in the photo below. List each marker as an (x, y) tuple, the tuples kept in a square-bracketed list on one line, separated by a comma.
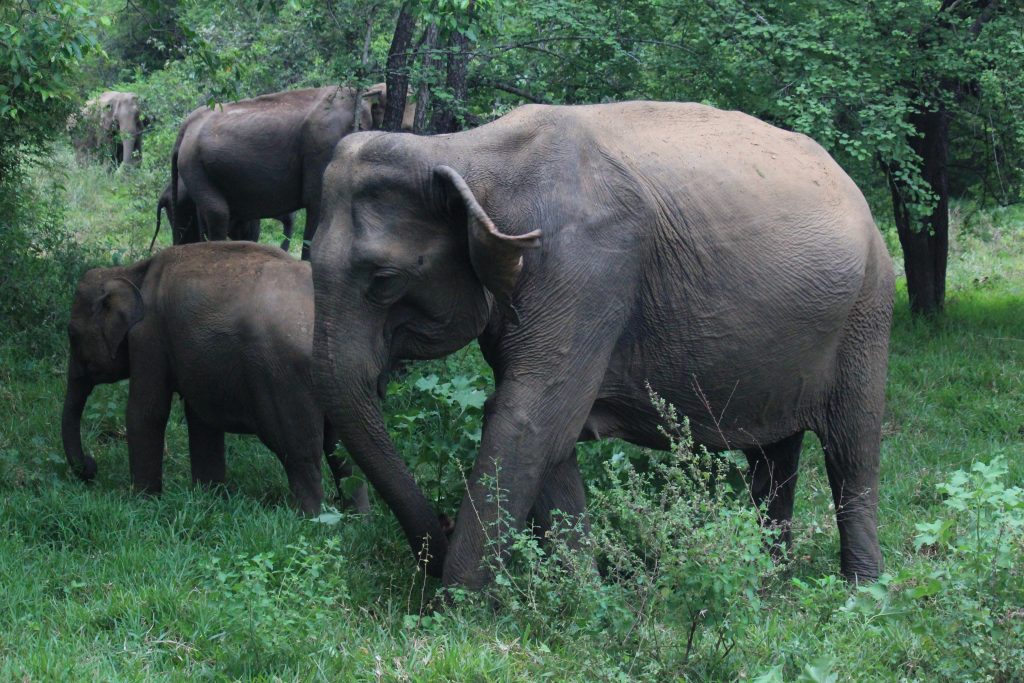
[(97, 583)]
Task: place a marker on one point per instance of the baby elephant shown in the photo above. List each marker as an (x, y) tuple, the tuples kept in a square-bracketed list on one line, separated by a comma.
[(229, 327)]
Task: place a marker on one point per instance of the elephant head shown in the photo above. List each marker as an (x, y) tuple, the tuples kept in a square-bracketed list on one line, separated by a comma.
[(107, 304), (406, 265), (377, 96), (120, 118)]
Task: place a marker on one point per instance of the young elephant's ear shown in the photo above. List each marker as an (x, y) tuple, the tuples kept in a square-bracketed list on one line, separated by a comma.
[(497, 258), (120, 307)]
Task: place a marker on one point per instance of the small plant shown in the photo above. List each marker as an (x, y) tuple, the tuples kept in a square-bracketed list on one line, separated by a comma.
[(985, 532), (437, 427), (278, 600)]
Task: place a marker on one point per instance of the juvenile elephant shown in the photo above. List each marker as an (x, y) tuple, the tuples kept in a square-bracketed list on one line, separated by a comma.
[(228, 326), (184, 221), (265, 157), (594, 249), (113, 119)]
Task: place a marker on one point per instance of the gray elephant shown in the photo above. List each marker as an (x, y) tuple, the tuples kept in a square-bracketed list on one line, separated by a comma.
[(594, 249), (113, 121), (229, 328), (184, 221), (265, 157)]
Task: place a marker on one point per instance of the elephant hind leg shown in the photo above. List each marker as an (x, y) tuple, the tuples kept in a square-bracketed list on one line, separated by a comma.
[(851, 437), (215, 217), (206, 450), (561, 491), (772, 478), (300, 455), (287, 429), (852, 447)]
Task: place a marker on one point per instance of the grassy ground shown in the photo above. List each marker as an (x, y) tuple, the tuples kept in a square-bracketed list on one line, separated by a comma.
[(101, 584)]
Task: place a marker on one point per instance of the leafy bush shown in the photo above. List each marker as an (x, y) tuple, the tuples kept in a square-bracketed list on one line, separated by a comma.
[(42, 48), (40, 263), (985, 533), (665, 583), (980, 584)]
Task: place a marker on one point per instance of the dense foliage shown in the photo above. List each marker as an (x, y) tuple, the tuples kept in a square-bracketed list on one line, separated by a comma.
[(43, 44), (920, 100)]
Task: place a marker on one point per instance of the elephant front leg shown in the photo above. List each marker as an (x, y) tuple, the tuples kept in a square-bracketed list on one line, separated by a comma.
[(772, 480), (205, 449), (149, 404), (300, 454), (524, 464), (288, 226)]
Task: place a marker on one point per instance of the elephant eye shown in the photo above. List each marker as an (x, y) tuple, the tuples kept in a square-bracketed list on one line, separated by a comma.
[(387, 286)]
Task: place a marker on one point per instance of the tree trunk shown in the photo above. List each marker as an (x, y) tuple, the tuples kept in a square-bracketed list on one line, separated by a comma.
[(445, 119), (431, 64), (926, 244), (397, 77)]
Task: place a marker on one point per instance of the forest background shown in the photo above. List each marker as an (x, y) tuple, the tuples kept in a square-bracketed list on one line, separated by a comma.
[(921, 101)]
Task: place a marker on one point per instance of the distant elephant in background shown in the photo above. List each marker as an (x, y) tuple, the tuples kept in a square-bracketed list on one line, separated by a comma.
[(184, 221), (229, 327), (114, 119), (598, 252), (264, 157)]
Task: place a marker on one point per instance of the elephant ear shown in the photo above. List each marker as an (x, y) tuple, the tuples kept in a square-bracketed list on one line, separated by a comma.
[(497, 258), (120, 307)]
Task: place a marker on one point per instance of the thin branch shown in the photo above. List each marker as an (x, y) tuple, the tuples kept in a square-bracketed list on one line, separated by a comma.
[(511, 89)]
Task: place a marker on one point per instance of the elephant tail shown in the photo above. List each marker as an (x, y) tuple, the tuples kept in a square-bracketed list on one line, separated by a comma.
[(163, 205)]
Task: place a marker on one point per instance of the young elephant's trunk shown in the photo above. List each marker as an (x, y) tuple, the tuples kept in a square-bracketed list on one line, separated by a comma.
[(79, 388)]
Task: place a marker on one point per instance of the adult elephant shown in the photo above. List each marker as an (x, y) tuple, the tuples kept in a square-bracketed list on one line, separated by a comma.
[(731, 265), (114, 119), (265, 157), (184, 220), (229, 327)]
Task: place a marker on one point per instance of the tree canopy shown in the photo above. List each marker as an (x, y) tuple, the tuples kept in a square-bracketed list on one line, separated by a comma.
[(920, 100)]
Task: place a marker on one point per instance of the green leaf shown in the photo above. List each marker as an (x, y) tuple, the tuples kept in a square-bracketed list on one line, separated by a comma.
[(819, 671), (329, 517)]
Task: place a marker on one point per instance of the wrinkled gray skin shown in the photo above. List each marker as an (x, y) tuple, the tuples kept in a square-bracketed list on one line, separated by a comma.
[(732, 265), (265, 157), (112, 119), (228, 326), (184, 221)]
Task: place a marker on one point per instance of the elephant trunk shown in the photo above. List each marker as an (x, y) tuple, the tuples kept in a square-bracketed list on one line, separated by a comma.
[(79, 388), (128, 144), (346, 384)]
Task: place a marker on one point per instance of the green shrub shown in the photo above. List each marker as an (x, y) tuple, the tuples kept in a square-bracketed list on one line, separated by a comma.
[(666, 582), (40, 262), (962, 598)]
